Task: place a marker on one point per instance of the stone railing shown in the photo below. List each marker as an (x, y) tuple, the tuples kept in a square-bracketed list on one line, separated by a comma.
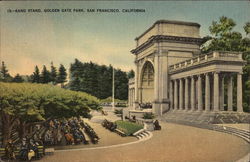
[(207, 57)]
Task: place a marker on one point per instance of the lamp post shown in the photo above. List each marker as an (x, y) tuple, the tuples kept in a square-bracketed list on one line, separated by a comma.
[(113, 90)]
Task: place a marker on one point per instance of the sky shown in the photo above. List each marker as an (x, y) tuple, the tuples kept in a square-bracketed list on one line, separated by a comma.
[(29, 39)]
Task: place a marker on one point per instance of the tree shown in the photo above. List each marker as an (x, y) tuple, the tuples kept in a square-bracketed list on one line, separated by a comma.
[(97, 80), (53, 74), (36, 75), (131, 74), (247, 28), (62, 75), (225, 39), (5, 76), (45, 75), (18, 79), (22, 104)]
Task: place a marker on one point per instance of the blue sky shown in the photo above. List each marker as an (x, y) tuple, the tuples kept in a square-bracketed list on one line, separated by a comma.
[(29, 39)]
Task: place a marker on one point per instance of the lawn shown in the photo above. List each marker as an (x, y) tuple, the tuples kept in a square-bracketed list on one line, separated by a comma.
[(128, 127)]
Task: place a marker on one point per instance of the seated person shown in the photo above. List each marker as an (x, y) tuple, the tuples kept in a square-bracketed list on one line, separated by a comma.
[(9, 150), (157, 125)]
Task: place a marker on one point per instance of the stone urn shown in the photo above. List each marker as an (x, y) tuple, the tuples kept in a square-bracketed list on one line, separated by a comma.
[(148, 124)]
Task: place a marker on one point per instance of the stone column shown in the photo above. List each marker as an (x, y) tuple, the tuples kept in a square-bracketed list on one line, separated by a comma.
[(200, 103), (222, 93), (156, 84), (192, 93), (136, 104), (186, 93), (216, 91), (230, 93), (171, 95), (175, 95), (164, 87), (207, 93), (239, 93), (181, 95)]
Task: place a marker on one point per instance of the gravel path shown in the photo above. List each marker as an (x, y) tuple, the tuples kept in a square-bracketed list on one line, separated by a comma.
[(175, 143)]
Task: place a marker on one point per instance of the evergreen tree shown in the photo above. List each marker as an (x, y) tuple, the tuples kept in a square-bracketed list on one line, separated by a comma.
[(45, 75), (36, 75), (62, 75), (121, 85), (53, 73), (131, 74), (5, 76), (97, 80), (18, 79)]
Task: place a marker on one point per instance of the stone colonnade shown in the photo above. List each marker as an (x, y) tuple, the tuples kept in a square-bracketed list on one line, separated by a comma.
[(205, 92)]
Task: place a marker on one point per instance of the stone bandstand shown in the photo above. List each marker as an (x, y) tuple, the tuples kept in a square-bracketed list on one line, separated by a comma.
[(177, 79)]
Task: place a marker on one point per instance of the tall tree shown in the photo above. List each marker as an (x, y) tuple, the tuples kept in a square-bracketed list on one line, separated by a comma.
[(62, 75), (36, 75), (45, 75), (97, 80), (18, 79), (53, 73), (5, 76)]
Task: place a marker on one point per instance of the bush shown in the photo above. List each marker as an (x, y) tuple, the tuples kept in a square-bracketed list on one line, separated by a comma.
[(148, 116), (128, 127)]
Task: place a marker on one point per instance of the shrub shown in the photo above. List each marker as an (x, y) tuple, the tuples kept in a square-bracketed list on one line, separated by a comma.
[(148, 116), (128, 127)]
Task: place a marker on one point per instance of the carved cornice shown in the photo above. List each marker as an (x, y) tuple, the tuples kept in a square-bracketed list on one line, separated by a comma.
[(164, 38), (168, 22)]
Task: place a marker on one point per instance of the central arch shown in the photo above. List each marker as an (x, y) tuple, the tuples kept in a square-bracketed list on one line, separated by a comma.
[(147, 83)]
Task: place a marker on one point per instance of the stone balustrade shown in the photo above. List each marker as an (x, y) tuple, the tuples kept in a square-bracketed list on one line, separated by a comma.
[(227, 56)]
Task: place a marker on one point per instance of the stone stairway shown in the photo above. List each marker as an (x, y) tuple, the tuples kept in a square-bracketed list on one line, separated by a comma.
[(221, 117), (142, 134)]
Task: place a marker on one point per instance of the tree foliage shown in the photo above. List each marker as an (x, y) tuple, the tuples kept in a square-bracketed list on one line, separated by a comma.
[(45, 75), (62, 75), (23, 103), (4, 74), (131, 74), (36, 75), (53, 74), (18, 79), (97, 80)]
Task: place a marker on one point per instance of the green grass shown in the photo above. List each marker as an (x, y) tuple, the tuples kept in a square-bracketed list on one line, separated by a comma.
[(128, 127)]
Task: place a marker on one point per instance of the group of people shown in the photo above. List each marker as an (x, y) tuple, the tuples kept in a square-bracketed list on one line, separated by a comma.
[(72, 131), (109, 125), (146, 105), (28, 149), (50, 133)]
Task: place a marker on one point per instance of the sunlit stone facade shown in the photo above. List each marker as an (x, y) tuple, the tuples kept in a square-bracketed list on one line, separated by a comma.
[(173, 75)]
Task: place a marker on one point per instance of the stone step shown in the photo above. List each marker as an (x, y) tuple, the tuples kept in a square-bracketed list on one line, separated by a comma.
[(142, 135), (237, 132)]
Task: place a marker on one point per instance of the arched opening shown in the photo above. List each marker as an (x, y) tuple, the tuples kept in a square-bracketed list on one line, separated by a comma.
[(147, 83)]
